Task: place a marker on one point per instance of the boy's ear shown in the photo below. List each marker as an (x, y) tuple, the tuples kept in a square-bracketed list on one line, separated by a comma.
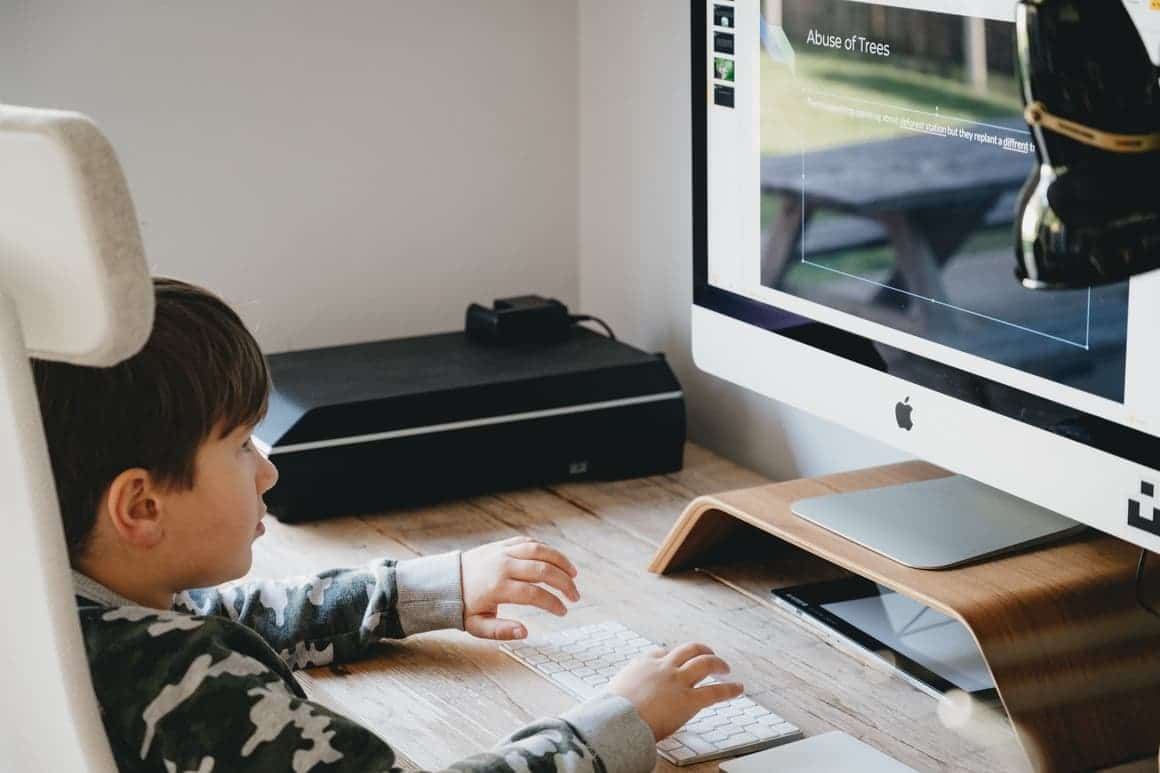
[(133, 508)]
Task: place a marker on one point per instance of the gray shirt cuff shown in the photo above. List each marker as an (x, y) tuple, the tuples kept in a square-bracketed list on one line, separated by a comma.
[(430, 593), (611, 727)]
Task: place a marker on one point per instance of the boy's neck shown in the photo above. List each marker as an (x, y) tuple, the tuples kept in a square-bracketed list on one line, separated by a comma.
[(135, 588)]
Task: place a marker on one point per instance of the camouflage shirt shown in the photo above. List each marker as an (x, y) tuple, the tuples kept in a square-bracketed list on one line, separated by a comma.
[(208, 685)]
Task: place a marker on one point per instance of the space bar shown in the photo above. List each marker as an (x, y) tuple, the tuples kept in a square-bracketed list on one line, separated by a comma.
[(574, 685)]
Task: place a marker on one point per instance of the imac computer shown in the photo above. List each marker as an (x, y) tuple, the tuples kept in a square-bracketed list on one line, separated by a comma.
[(857, 168)]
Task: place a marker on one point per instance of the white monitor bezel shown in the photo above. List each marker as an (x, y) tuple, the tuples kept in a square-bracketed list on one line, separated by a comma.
[(1074, 478)]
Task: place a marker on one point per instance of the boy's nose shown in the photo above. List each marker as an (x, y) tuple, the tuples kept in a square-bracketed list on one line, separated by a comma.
[(267, 475)]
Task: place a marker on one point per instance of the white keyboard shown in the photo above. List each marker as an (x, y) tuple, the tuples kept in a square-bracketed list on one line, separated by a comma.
[(583, 660)]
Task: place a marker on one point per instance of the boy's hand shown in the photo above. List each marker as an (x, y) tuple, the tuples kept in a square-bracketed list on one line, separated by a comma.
[(661, 685), (512, 572)]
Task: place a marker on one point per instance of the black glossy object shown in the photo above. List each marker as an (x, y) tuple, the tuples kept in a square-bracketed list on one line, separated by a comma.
[(1087, 216), (375, 426)]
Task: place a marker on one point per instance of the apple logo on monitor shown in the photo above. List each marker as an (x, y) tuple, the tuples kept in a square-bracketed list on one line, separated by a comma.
[(904, 413)]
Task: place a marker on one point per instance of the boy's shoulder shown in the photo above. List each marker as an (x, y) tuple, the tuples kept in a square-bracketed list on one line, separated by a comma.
[(152, 667), (135, 641)]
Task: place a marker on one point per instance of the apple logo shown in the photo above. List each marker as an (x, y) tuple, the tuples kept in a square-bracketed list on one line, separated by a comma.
[(903, 412)]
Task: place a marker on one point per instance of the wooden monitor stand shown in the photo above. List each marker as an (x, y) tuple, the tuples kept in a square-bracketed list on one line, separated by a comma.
[(1075, 659)]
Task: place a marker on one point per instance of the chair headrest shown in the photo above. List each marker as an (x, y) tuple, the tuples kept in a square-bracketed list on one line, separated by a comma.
[(71, 259)]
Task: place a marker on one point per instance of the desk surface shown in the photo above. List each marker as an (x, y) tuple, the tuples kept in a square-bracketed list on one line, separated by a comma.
[(443, 696)]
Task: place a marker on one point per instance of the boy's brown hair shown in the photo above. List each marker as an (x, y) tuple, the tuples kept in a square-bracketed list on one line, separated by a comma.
[(200, 371)]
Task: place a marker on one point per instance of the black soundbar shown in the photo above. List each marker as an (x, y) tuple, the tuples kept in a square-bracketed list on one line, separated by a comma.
[(371, 427)]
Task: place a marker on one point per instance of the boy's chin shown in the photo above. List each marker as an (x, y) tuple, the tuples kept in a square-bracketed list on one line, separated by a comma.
[(247, 564), (237, 571)]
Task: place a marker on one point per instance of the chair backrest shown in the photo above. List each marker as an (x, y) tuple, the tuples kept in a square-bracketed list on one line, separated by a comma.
[(74, 287)]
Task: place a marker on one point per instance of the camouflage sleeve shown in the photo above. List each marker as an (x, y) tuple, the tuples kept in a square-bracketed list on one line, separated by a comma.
[(179, 694), (336, 616)]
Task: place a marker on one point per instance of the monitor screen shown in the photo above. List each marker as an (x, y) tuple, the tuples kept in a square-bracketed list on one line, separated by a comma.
[(857, 171)]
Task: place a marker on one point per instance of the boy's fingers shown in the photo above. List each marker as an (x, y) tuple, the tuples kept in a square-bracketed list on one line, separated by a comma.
[(495, 628), (687, 651), (533, 596), (541, 571), (702, 666), (709, 694), (538, 551)]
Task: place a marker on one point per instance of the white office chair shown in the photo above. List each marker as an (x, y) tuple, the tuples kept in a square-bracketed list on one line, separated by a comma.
[(74, 287)]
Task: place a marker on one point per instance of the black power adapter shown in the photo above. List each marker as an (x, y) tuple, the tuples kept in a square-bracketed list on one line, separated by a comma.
[(525, 319)]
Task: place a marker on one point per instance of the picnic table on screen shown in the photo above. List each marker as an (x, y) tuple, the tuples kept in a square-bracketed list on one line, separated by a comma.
[(923, 194)]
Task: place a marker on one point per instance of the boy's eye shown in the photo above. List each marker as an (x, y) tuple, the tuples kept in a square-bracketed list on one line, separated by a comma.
[(247, 445)]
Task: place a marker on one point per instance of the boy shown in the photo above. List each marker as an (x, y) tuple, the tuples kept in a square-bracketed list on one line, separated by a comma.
[(160, 490)]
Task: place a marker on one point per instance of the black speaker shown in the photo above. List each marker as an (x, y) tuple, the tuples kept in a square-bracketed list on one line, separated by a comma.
[(370, 427)]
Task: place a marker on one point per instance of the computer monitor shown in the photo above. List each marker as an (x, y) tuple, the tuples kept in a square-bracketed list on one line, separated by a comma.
[(856, 167)]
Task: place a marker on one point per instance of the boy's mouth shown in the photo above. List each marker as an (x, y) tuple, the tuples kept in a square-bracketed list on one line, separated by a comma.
[(260, 528)]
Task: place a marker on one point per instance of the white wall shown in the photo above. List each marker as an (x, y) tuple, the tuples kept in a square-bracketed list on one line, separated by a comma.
[(340, 171), (635, 234), (363, 169)]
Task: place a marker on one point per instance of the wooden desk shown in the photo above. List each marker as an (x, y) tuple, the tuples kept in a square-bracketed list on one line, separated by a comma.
[(443, 696)]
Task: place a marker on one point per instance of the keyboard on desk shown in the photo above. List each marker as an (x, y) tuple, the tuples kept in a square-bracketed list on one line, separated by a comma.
[(583, 661)]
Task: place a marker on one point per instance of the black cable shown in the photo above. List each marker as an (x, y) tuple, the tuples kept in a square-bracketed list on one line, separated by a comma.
[(578, 318), (1139, 584)]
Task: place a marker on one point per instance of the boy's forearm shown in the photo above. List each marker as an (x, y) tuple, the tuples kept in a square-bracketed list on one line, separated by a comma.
[(276, 735), (180, 707), (604, 734), (337, 615)]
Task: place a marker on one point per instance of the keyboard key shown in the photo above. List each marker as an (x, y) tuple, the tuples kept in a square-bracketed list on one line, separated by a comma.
[(762, 731), (697, 744), (573, 684)]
